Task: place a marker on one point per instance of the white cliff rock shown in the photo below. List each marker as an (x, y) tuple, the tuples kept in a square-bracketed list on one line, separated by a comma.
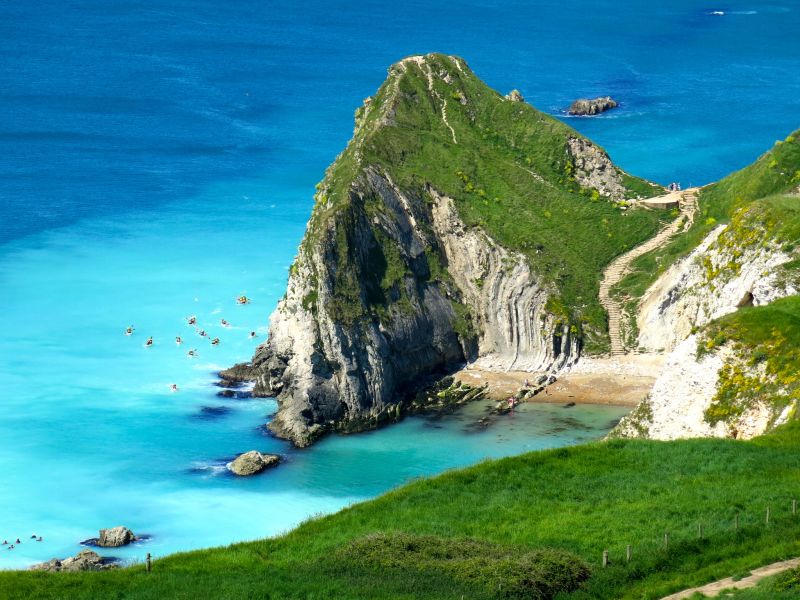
[(515, 331), (713, 280)]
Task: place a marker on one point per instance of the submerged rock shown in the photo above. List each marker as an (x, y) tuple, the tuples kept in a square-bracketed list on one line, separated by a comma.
[(595, 106), (253, 462), (115, 537), (85, 560)]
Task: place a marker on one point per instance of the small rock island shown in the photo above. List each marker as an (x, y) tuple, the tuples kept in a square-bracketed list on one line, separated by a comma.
[(585, 107), (252, 463)]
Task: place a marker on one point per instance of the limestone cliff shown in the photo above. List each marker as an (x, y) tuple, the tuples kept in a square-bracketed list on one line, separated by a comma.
[(726, 316), (439, 237), (335, 371)]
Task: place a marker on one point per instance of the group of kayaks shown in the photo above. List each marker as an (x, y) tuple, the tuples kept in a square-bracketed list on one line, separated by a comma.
[(192, 321)]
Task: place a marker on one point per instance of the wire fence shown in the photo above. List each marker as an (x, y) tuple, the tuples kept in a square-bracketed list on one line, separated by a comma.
[(738, 525)]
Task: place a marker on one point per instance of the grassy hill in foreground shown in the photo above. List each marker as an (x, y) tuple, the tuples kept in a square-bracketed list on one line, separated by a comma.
[(581, 500)]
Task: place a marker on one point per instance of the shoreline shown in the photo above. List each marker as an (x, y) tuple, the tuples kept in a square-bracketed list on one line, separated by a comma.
[(617, 381)]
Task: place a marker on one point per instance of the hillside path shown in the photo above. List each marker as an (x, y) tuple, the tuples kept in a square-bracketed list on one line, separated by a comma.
[(614, 272), (713, 589)]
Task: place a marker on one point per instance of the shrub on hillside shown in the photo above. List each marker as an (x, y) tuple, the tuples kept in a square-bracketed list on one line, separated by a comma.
[(505, 571)]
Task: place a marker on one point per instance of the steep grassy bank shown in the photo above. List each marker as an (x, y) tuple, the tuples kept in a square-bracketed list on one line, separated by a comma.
[(582, 500)]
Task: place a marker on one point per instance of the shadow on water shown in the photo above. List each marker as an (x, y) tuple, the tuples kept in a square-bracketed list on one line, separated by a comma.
[(211, 413)]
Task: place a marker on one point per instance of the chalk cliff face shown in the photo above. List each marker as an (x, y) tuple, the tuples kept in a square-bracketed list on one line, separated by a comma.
[(333, 373), (722, 274), (715, 384)]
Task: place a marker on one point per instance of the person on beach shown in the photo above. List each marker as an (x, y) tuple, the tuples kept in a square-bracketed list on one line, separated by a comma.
[(178, 340), (129, 330), (191, 320), (149, 341)]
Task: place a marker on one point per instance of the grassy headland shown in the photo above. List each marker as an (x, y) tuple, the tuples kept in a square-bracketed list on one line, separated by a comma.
[(507, 166)]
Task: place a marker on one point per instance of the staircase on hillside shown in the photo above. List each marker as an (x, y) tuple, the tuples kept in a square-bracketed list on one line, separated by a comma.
[(619, 267)]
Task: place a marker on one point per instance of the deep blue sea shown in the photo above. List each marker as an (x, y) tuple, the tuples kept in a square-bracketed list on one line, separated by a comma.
[(157, 159)]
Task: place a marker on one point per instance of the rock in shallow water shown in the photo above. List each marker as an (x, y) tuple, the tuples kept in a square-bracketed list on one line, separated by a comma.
[(586, 107), (253, 462), (115, 537)]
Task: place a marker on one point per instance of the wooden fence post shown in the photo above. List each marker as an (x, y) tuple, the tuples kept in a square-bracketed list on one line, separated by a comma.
[(767, 518), (148, 564), (700, 531), (794, 507), (628, 553), (605, 558)]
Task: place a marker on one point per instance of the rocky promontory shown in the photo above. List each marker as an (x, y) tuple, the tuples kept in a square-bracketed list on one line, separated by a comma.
[(407, 270), (590, 107)]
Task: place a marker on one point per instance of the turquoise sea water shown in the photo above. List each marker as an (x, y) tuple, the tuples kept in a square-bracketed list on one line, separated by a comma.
[(158, 159)]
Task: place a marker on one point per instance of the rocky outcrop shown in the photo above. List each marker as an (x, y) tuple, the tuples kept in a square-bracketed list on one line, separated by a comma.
[(723, 273), (426, 294), (593, 169), (595, 106), (253, 462), (85, 560), (514, 96), (115, 537)]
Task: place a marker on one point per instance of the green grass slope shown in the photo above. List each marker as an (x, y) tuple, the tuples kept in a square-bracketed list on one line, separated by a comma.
[(507, 166), (579, 500)]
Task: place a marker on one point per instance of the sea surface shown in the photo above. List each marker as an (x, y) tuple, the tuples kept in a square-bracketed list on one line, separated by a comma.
[(158, 159)]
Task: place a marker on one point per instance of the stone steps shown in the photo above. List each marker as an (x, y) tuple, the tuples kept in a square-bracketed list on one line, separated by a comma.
[(614, 273)]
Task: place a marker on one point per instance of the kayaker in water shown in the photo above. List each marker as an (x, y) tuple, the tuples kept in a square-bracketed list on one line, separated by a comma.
[(178, 340), (149, 341), (191, 320), (215, 342), (129, 330)]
